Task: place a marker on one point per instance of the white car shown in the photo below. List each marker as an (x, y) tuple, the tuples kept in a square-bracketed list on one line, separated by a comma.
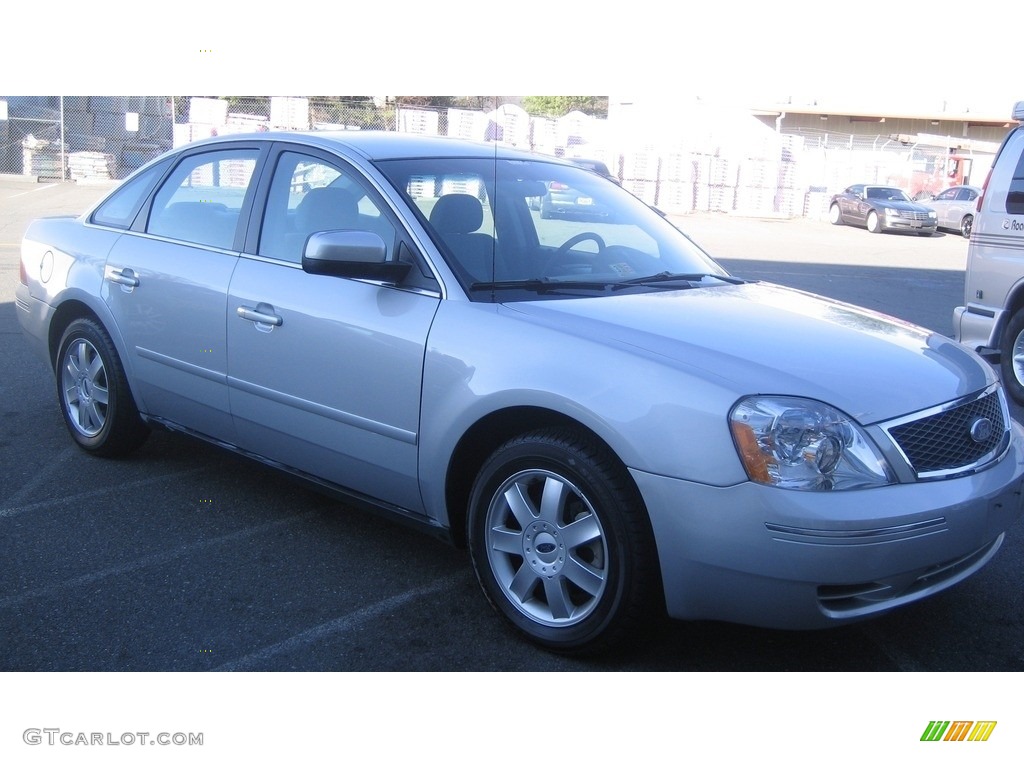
[(955, 208), (610, 422)]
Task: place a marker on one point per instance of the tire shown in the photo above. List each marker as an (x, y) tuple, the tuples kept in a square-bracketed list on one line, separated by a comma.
[(561, 543), (835, 215), (874, 225), (1011, 357), (93, 393), (966, 225)]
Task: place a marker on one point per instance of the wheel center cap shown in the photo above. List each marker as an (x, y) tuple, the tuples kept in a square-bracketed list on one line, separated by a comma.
[(543, 548)]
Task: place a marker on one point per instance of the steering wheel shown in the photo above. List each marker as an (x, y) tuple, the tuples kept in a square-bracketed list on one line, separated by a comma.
[(564, 251)]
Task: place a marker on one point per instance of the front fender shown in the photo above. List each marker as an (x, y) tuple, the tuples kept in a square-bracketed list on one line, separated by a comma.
[(482, 358)]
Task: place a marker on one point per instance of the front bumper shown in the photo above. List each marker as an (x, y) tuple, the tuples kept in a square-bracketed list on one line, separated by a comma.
[(801, 560), (977, 327), (909, 224)]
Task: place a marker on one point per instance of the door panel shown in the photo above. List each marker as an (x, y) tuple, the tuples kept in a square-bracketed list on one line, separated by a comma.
[(324, 373), (334, 388), (172, 320), (167, 287)]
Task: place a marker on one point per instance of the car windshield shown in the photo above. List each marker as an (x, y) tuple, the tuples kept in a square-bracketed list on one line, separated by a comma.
[(887, 193), (533, 229)]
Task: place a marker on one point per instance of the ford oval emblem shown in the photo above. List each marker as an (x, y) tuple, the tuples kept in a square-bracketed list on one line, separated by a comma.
[(981, 429)]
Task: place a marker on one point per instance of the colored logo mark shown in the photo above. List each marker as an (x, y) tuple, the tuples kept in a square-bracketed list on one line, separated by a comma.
[(958, 730)]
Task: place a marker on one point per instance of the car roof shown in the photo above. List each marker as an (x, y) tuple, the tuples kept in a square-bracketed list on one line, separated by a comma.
[(387, 145)]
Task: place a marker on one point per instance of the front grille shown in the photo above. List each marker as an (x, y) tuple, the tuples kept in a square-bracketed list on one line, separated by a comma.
[(914, 215), (955, 438)]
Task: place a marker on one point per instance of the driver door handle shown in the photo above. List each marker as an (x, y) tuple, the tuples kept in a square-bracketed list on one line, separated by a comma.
[(260, 314)]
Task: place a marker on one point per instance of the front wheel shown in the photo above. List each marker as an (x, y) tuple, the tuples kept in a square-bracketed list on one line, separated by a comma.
[(874, 225), (835, 215), (93, 392), (1011, 357), (561, 542)]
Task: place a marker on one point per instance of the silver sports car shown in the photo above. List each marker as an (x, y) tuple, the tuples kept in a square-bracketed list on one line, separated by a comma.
[(611, 423)]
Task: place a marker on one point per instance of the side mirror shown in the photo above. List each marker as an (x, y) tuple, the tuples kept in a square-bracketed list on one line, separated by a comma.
[(350, 253)]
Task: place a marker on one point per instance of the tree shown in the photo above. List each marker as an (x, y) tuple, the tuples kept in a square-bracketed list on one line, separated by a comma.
[(556, 106)]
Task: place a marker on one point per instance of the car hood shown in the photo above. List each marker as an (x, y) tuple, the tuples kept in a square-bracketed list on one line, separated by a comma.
[(759, 338)]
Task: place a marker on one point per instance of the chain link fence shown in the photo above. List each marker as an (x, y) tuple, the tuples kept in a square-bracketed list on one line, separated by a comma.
[(100, 138)]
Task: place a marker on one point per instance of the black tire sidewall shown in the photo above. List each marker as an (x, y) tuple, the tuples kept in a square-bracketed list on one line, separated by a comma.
[(1013, 387), (966, 224), (122, 428), (565, 454)]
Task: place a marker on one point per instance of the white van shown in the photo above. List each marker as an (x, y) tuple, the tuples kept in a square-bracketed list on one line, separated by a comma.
[(992, 320)]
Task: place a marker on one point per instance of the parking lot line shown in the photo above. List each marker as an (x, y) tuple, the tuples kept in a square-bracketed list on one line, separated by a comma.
[(157, 559), (338, 626), (42, 477), (48, 503), (29, 192)]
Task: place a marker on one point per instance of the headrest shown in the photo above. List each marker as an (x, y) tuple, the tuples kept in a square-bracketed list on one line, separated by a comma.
[(457, 214), (326, 208)]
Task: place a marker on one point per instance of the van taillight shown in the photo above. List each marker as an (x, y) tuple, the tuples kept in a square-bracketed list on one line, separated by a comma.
[(23, 272), (984, 189)]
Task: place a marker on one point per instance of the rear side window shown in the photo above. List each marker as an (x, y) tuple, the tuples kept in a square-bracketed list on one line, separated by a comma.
[(120, 208), (1015, 195)]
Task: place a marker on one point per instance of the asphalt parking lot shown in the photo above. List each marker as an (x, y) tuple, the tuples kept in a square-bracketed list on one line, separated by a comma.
[(186, 558)]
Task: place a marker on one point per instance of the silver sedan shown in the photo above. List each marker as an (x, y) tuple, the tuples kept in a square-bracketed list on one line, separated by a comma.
[(612, 424), (955, 208)]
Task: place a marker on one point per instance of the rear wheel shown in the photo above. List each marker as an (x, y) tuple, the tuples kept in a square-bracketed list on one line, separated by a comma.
[(93, 392), (1011, 358), (874, 225), (561, 543)]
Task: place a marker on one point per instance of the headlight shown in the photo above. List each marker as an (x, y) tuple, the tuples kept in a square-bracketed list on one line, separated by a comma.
[(891, 212), (932, 215), (804, 445)]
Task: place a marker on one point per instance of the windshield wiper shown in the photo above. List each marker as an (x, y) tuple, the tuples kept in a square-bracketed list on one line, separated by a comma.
[(543, 285), (669, 277), (547, 285)]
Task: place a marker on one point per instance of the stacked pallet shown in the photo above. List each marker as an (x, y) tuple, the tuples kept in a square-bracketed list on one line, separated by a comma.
[(41, 159), (675, 191), (289, 113), (420, 121), (640, 174), (90, 166)]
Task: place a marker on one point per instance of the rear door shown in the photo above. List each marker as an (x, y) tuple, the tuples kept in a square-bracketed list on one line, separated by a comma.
[(166, 284)]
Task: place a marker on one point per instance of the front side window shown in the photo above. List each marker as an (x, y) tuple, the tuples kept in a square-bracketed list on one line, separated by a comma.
[(310, 195), (200, 202)]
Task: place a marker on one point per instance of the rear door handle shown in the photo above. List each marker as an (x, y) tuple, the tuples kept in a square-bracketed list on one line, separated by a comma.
[(125, 277)]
